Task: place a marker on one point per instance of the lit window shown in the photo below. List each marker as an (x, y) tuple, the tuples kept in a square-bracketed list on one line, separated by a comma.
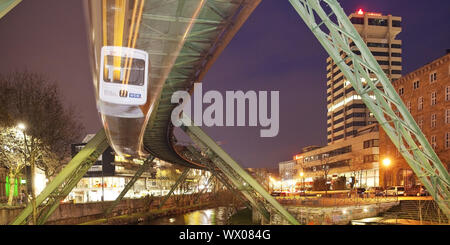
[(433, 77), (416, 84), (433, 120), (433, 98), (447, 140), (420, 103), (447, 93), (408, 105), (433, 141), (447, 116)]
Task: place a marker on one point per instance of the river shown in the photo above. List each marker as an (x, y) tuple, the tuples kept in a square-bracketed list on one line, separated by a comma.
[(214, 216)]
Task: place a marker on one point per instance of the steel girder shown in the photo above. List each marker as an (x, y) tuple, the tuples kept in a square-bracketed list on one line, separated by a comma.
[(248, 186), (147, 163), (7, 5), (175, 186), (218, 174), (376, 91), (64, 182)]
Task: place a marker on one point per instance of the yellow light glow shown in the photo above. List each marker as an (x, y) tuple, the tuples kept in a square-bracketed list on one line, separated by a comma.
[(386, 162), (301, 174), (21, 126)]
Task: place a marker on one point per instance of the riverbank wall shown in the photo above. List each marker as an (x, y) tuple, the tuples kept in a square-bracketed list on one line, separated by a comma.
[(339, 215), (77, 213)]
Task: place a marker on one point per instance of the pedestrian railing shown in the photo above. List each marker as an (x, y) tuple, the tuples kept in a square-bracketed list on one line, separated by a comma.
[(333, 201)]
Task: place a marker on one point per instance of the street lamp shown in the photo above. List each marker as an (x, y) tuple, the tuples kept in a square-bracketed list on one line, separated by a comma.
[(22, 127), (386, 163), (303, 181)]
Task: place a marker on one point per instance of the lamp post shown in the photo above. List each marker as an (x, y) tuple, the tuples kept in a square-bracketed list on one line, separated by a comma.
[(22, 127), (303, 181), (386, 163)]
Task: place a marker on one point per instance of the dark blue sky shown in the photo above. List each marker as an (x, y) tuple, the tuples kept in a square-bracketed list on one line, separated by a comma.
[(274, 50)]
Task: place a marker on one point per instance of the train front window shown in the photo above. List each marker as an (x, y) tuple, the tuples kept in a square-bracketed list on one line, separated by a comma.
[(124, 70)]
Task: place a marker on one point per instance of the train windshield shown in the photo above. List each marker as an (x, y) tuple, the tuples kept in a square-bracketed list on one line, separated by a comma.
[(124, 70)]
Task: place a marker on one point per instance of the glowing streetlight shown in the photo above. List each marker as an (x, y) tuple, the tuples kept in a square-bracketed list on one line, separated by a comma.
[(301, 174), (21, 126), (386, 163)]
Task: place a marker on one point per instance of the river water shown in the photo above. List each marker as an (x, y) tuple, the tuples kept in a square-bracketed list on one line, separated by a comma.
[(214, 216)]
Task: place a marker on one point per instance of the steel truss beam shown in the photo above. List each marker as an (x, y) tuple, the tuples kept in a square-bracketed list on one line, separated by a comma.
[(219, 175), (331, 26), (240, 179), (231, 181), (175, 186), (7, 5), (147, 163), (64, 182)]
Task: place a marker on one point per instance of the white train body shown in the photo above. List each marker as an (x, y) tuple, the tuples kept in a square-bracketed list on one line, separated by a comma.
[(123, 76)]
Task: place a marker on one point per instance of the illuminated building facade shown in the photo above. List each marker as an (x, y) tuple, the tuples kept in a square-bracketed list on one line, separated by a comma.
[(426, 94), (355, 157), (346, 111)]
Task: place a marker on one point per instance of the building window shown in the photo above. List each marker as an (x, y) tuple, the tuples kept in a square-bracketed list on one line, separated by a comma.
[(416, 84), (447, 93), (447, 116), (371, 143), (433, 141), (433, 120), (371, 158), (447, 140), (433, 77), (401, 91), (420, 103), (408, 105), (433, 98), (420, 122)]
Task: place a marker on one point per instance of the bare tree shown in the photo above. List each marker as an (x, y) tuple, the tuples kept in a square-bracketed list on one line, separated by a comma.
[(30, 99)]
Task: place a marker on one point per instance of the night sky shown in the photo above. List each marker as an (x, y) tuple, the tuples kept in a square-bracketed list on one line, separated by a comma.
[(274, 50)]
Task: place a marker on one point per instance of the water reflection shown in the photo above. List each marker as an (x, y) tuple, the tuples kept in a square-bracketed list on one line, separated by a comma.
[(215, 216)]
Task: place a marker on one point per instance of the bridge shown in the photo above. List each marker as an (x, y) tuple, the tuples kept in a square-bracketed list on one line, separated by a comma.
[(183, 39)]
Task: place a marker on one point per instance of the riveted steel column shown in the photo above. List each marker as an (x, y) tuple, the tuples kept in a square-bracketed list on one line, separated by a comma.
[(7, 5), (175, 186), (88, 155), (147, 163), (366, 76)]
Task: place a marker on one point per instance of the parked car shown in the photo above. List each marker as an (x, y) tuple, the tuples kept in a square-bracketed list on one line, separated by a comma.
[(413, 191), (357, 192), (423, 191), (374, 191), (275, 193), (395, 191)]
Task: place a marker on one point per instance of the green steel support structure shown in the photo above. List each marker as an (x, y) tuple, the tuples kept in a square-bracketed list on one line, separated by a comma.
[(248, 186), (331, 26), (147, 163), (7, 5), (175, 186), (237, 185), (69, 176), (208, 182)]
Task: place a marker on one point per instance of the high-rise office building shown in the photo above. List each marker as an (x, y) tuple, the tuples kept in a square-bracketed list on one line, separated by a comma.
[(346, 111)]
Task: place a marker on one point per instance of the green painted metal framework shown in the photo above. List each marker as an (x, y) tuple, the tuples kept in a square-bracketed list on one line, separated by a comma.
[(180, 180), (146, 165), (218, 22), (331, 26), (49, 199), (7, 5), (247, 185), (216, 25)]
